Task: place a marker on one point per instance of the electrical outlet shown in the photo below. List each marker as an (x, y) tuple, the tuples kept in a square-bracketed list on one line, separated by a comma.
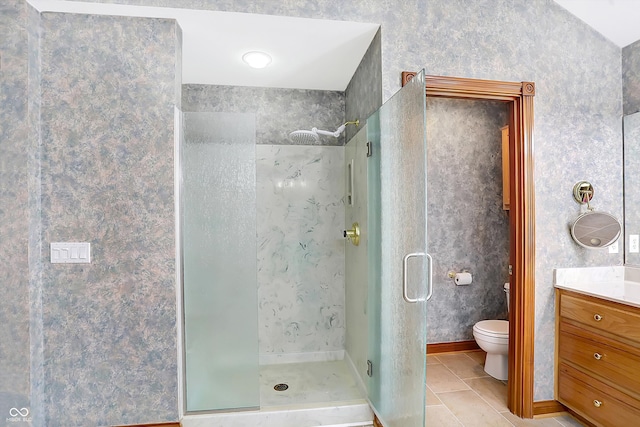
[(634, 243), (613, 249)]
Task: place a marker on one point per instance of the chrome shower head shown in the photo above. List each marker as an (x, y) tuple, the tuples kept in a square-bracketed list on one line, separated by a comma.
[(303, 137)]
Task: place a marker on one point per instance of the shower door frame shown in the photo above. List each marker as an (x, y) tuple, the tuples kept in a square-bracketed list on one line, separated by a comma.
[(519, 97)]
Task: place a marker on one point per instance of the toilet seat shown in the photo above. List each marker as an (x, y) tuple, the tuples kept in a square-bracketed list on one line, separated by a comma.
[(492, 328)]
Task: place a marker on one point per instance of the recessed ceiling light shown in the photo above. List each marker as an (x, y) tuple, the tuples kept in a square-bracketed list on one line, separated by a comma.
[(256, 59)]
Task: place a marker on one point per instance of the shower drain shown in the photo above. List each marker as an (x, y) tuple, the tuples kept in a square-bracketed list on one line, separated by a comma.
[(280, 387)]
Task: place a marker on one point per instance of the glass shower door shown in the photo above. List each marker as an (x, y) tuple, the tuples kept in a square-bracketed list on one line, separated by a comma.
[(398, 262)]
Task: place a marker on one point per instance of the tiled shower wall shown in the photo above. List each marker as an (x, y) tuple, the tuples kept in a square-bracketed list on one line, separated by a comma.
[(300, 277), (103, 339), (467, 229)]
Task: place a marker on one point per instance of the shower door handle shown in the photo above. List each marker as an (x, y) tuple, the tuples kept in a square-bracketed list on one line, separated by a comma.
[(430, 276), (405, 279)]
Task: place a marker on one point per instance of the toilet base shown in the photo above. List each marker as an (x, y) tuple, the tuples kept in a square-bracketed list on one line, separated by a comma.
[(497, 365)]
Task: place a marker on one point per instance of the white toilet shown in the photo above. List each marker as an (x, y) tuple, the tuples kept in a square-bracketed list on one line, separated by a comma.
[(493, 337)]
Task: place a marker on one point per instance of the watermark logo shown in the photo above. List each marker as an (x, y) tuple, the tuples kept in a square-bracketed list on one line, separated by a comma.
[(18, 415)]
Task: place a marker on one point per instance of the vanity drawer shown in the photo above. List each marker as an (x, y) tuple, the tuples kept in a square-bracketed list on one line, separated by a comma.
[(595, 400), (603, 316), (617, 366)]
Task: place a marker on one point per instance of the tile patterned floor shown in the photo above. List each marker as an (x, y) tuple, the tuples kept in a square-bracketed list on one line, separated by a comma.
[(460, 393)]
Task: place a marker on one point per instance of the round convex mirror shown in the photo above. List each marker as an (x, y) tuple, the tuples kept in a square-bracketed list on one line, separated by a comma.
[(595, 230)]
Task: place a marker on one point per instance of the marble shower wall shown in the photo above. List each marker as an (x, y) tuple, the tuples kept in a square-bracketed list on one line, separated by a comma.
[(102, 172), (631, 78), (278, 111), (14, 225), (467, 229), (300, 215)]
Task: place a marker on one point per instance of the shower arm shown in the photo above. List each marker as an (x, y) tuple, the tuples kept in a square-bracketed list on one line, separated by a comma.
[(328, 133), (338, 131)]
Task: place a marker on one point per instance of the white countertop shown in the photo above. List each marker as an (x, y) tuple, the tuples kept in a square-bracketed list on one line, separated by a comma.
[(618, 284)]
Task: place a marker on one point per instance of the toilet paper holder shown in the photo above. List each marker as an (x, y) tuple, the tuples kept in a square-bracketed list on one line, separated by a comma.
[(462, 278), (452, 273)]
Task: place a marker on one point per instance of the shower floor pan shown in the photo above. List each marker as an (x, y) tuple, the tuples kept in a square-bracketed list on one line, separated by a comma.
[(318, 394)]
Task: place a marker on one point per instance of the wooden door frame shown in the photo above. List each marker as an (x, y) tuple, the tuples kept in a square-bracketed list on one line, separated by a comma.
[(519, 97)]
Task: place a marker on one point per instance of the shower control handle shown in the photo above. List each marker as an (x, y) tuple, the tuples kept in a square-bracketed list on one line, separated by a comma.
[(353, 235)]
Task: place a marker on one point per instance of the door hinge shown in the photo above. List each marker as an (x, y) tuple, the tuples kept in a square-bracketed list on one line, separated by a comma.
[(369, 368), (510, 270), (369, 149)]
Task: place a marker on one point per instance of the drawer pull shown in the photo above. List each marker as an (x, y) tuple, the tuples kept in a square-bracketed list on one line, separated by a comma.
[(597, 403), (597, 356), (597, 317)]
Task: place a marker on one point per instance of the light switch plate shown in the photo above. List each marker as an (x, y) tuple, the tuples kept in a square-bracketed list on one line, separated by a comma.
[(70, 252)]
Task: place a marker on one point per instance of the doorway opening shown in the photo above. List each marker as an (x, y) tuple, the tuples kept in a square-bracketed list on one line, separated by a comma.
[(519, 99)]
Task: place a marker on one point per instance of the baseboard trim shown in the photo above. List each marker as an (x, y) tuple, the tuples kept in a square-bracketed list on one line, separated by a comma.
[(376, 422), (448, 347), (580, 418), (547, 407)]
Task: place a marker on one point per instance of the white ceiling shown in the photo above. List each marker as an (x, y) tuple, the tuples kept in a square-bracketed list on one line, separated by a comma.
[(304, 51), (617, 20)]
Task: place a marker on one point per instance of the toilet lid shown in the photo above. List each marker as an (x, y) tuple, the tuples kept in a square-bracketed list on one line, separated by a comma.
[(493, 327)]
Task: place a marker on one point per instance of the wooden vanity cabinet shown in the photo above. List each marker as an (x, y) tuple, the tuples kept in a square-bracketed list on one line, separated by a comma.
[(598, 359)]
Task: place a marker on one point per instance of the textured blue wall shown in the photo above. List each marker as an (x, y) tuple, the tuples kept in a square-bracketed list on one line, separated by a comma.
[(631, 78), (402, 37), (577, 134), (36, 330), (14, 272), (578, 106), (466, 225), (363, 95), (104, 334), (278, 111)]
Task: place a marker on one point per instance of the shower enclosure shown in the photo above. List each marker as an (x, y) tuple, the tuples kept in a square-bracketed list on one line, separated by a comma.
[(286, 323)]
